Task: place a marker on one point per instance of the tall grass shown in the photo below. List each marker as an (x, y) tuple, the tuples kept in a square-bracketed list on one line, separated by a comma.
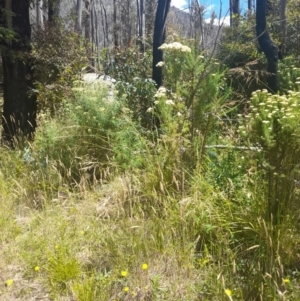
[(99, 207)]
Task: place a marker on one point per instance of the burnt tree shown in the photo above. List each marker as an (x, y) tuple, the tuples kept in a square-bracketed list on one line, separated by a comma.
[(234, 12), (267, 46), (159, 38), (19, 108)]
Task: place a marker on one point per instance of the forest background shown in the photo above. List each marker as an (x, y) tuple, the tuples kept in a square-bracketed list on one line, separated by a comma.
[(124, 190)]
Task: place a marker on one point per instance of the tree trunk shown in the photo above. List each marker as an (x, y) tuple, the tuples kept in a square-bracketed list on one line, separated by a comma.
[(53, 10), (141, 24), (78, 26), (115, 27), (19, 109), (150, 6), (234, 12), (283, 26), (250, 6), (159, 38), (39, 14), (268, 47)]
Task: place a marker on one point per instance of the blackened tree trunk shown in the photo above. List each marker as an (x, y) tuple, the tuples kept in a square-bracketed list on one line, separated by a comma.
[(268, 47), (283, 26), (141, 24), (115, 27), (250, 5), (234, 12), (19, 109), (53, 10), (159, 38)]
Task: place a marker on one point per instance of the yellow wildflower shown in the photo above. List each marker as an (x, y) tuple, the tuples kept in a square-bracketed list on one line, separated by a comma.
[(126, 289), (228, 292), (124, 273), (9, 282), (145, 266), (286, 280), (37, 268)]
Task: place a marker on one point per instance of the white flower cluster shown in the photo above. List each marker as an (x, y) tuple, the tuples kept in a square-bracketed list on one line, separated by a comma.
[(160, 64), (266, 108), (161, 92), (175, 47)]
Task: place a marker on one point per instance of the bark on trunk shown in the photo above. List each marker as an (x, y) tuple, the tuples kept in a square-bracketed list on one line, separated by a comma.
[(234, 12), (19, 109), (268, 47), (141, 24), (39, 13), (115, 27), (53, 10), (78, 26), (250, 6), (283, 26), (159, 38)]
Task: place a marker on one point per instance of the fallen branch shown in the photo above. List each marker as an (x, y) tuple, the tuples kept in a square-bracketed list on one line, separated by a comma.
[(250, 148)]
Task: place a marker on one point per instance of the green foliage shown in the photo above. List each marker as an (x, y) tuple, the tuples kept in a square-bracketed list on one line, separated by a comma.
[(273, 126), (59, 56), (6, 36), (239, 44), (138, 95), (133, 71), (289, 74), (208, 205), (61, 268), (131, 63), (91, 119)]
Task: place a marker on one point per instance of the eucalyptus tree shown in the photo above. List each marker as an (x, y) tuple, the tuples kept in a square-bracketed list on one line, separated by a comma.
[(283, 4), (140, 8), (39, 5), (19, 107), (234, 12), (53, 10), (159, 36), (267, 45), (78, 24)]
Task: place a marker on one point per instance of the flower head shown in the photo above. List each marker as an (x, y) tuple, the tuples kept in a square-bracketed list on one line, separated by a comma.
[(161, 92), (149, 110), (170, 102), (160, 64), (145, 266), (126, 289), (9, 282), (124, 273), (37, 268), (175, 47), (228, 292)]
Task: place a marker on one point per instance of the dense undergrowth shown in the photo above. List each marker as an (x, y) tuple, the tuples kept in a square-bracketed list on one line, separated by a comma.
[(182, 198)]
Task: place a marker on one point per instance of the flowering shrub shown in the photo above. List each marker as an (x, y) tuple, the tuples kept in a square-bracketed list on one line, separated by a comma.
[(176, 47), (272, 125)]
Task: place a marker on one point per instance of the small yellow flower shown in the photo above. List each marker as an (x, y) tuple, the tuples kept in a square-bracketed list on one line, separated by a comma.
[(37, 268), (286, 280), (126, 289), (9, 282), (56, 247), (145, 266), (124, 273), (228, 292)]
